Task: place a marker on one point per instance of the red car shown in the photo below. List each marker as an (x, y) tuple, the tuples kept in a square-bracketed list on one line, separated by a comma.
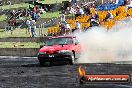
[(61, 48)]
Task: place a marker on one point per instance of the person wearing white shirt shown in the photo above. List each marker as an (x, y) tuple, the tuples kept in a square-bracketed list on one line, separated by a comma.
[(28, 23), (78, 25), (68, 29), (81, 11), (33, 28)]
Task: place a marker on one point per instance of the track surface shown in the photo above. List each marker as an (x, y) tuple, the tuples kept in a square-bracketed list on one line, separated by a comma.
[(16, 72)]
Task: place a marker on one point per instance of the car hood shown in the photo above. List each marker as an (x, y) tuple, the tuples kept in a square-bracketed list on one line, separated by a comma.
[(54, 48)]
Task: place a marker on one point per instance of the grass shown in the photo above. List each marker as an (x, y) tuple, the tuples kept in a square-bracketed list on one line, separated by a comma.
[(44, 15), (52, 1), (19, 45), (20, 33), (15, 6), (26, 5), (3, 17), (50, 14)]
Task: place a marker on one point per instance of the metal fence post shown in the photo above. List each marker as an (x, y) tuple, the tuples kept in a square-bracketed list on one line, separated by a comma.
[(11, 28), (41, 29)]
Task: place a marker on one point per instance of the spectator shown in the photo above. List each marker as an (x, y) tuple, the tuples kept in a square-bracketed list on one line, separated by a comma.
[(128, 6), (35, 9), (73, 2), (63, 18), (96, 16), (81, 11), (108, 16), (62, 27), (33, 16), (67, 29), (67, 10), (77, 12), (41, 10), (87, 10), (128, 18), (33, 28), (73, 12), (94, 20), (78, 26), (28, 23), (13, 13), (37, 16)]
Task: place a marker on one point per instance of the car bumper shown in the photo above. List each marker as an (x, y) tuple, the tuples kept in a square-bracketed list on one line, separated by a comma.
[(54, 57)]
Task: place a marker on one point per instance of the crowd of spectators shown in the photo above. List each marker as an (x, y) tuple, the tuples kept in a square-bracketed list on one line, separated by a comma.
[(78, 10), (28, 17), (75, 9), (81, 10)]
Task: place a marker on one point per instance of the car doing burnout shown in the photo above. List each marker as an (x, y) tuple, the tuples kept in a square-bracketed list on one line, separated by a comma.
[(61, 48)]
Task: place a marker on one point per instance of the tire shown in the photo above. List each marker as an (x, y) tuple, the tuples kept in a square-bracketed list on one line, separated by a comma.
[(72, 60), (81, 81), (42, 63)]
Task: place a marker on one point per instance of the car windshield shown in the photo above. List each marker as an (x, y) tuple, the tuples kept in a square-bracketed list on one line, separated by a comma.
[(59, 41)]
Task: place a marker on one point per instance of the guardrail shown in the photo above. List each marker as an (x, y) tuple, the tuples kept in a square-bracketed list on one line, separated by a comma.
[(24, 39), (23, 52)]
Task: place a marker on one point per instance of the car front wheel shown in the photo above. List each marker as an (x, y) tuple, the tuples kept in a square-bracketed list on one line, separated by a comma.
[(42, 63), (72, 60)]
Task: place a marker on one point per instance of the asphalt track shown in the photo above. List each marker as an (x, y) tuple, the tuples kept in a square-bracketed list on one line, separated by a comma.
[(18, 72)]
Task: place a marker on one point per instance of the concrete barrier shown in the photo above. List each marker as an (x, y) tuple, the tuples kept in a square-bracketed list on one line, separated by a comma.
[(24, 52), (23, 39)]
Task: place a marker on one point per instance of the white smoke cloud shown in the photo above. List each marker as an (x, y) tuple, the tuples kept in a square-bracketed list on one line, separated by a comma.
[(100, 46)]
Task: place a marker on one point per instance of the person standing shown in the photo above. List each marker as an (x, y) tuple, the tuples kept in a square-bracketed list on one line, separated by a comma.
[(67, 29), (33, 28), (28, 24), (78, 26)]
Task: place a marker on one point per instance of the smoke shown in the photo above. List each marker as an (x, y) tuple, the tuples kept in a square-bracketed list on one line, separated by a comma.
[(101, 46)]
